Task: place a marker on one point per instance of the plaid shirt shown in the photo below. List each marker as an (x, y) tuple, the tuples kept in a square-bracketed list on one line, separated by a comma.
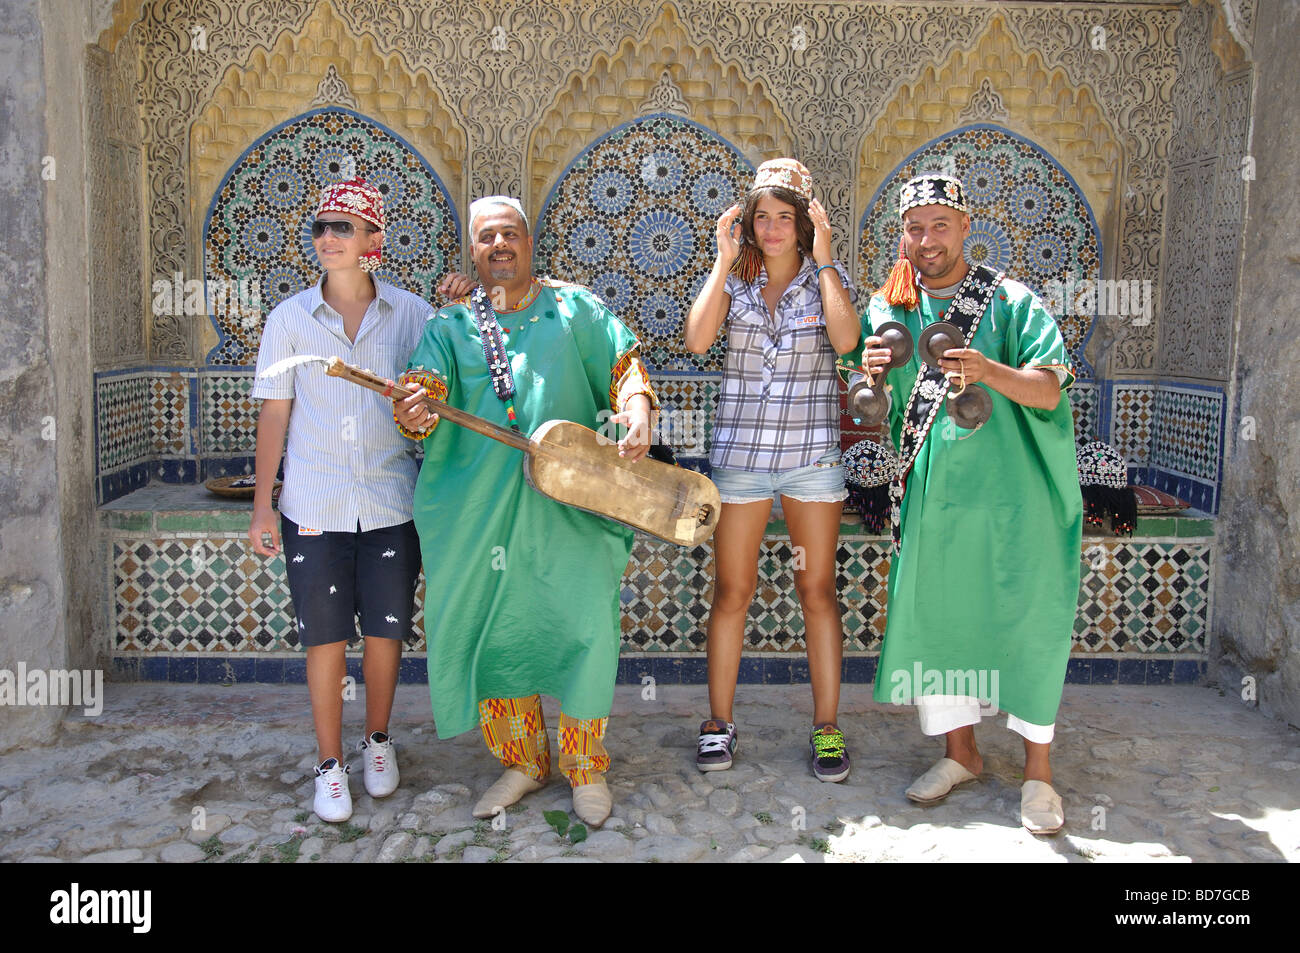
[(779, 408)]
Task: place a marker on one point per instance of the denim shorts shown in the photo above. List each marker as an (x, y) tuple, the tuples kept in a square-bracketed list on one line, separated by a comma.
[(820, 482)]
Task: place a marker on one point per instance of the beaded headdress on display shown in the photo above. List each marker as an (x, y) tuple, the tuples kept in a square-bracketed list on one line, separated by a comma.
[(774, 173), (868, 468), (928, 188), (1103, 480), (356, 197)]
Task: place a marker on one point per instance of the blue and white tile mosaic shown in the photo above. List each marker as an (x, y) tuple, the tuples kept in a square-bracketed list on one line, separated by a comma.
[(1133, 421), (1188, 428), (208, 594), (258, 229), (228, 414), (633, 218), (1028, 218), (123, 426)]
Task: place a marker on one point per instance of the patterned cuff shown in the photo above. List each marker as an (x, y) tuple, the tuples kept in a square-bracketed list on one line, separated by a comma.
[(1064, 374), (433, 386), (629, 378)]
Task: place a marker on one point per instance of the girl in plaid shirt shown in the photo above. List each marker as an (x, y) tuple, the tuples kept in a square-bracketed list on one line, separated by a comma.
[(788, 310)]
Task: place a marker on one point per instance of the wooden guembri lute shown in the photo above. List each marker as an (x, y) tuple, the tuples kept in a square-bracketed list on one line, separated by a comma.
[(573, 465)]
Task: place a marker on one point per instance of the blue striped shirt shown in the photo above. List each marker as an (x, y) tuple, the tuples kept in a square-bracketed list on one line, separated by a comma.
[(345, 464)]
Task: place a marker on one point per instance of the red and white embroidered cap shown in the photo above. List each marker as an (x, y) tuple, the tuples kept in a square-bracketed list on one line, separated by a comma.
[(354, 197)]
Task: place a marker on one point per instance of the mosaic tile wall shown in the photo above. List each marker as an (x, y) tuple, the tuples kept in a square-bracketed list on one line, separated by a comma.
[(1140, 122), (160, 424), (229, 414), (187, 591), (122, 421), (1085, 405), (1028, 217), (633, 217), (258, 227), (1171, 436), (1143, 597), (1133, 422), (144, 428)]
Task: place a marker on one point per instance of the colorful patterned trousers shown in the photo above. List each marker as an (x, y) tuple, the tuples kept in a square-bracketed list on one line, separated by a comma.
[(515, 732)]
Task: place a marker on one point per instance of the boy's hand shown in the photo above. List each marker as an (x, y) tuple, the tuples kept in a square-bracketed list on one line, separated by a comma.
[(264, 524)]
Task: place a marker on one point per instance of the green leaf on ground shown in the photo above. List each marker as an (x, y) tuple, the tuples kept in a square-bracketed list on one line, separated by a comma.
[(577, 834), (559, 820)]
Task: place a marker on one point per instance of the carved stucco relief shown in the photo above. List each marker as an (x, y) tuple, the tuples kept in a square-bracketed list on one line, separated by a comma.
[(827, 69), (1209, 166)]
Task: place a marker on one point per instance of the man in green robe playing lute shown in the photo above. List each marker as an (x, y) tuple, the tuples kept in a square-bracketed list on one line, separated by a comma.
[(521, 592), (984, 581)]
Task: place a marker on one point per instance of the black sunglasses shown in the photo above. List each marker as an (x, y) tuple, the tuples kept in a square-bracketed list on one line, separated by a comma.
[(342, 229)]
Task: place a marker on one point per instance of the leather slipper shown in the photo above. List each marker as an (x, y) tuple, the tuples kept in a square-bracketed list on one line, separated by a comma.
[(1040, 808), (506, 790), (935, 784)]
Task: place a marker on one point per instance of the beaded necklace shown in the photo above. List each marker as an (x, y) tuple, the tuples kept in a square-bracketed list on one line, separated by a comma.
[(494, 349)]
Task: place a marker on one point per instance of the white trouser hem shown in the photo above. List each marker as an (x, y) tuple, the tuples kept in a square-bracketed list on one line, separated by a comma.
[(940, 714)]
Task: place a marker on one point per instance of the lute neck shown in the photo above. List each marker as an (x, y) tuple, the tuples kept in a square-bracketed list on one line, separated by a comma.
[(371, 381)]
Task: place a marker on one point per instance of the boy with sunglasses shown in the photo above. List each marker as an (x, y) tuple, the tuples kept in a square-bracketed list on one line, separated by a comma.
[(349, 543)]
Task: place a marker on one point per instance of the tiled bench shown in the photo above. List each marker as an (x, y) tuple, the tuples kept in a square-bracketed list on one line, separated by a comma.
[(189, 602)]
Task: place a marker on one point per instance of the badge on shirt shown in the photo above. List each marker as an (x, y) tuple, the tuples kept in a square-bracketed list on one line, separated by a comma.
[(304, 531), (805, 320)]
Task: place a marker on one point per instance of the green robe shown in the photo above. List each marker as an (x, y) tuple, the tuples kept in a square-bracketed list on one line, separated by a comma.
[(521, 592), (987, 580)]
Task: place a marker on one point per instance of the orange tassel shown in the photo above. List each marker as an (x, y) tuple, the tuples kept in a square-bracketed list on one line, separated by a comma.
[(748, 263), (900, 287)]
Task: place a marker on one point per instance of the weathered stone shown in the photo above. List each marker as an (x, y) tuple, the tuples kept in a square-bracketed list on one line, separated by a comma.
[(150, 834), (453, 841), (726, 803), (114, 857), (395, 848), (342, 853), (660, 798), (536, 853), (179, 852), (237, 835), (570, 859), (311, 847), (669, 849), (749, 853), (607, 845), (212, 824), (478, 855), (658, 824)]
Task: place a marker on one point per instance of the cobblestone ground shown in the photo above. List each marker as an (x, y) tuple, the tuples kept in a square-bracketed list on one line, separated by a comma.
[(1159, 774)]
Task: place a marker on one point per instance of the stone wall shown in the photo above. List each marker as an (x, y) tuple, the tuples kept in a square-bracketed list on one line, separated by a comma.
[(1256, 629), (32, 570)]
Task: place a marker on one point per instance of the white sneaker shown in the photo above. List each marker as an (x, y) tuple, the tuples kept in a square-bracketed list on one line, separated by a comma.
[(333, 801), (381, 764)]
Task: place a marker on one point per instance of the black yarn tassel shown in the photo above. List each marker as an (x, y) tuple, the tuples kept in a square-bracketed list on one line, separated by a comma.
[(873, 505), (1121, 505)]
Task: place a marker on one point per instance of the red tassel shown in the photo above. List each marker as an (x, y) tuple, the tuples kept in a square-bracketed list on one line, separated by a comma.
[(900, 287), (748, 263)]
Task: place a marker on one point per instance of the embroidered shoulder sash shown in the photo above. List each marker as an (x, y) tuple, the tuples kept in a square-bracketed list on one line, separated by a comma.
[(931, 387)]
